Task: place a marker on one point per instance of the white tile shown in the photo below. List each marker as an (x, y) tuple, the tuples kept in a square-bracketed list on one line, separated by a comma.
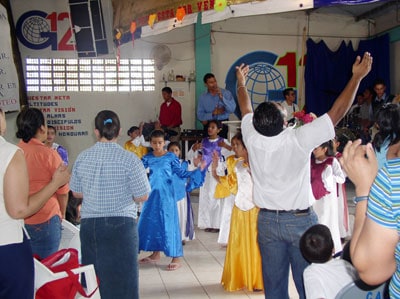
[(200, 274)]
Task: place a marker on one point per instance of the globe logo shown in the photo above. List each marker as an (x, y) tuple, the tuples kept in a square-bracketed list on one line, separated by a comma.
[(32, 30), (264, 83)]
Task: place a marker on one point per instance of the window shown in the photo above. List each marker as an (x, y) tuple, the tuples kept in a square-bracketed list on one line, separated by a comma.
[(90, 75)]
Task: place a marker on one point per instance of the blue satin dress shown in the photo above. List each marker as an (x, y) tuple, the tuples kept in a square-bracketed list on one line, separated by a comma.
[(158, 222)]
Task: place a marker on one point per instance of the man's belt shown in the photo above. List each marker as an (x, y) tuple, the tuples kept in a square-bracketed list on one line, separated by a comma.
[(295, 212)]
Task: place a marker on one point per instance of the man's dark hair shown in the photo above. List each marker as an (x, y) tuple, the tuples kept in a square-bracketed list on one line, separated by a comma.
[(286, 91), (371, 91), (379, 81), (316, 244), (167, 89), (208, 76), (268, 119)]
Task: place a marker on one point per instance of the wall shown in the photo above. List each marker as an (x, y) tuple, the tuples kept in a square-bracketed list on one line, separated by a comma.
[(278, 33), (390, 22)]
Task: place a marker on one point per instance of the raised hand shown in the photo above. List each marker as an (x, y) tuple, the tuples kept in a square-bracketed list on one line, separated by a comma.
[(196, 146), (360, 164), (241, 74), (362, 67)]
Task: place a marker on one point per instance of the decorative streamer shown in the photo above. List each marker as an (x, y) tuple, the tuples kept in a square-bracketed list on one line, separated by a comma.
[(220, 5), (180, 14), (152, 20), (118, 36), (132, 29)]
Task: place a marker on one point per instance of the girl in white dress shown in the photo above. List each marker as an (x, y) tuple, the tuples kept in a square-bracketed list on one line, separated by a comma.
[(182, 195), (326, 172), (209, 213), (226, 189)]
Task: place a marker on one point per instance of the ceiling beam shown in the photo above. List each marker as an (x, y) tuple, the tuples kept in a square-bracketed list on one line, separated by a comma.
[(376, 10)]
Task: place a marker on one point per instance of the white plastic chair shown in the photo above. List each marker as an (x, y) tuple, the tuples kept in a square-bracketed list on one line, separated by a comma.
[(44, 275), (358, 289), (70, 236)]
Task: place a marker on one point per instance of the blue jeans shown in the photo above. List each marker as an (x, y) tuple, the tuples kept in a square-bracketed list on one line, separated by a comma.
[(45, 237), (111, 245), (278, 238)]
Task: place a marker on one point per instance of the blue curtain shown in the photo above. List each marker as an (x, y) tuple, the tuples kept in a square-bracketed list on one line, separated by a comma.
[(327, 72), (320, 3)]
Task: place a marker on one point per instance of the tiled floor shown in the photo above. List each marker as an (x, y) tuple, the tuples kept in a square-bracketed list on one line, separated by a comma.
[(200, 274)]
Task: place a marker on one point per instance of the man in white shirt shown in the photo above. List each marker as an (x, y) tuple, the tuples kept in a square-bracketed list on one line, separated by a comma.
[(280, 166), (289, 102)]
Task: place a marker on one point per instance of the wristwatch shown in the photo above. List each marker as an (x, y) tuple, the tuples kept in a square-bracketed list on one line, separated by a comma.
[(357, 199)]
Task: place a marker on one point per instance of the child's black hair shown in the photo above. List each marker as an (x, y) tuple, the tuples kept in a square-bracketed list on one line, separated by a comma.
[(174, 143), (316, 244), (329, 146), (217, 122), (131, 130), (156, 134)]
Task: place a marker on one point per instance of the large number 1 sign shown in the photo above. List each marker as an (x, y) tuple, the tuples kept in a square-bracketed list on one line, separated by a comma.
[(289, 60), (265, 82)]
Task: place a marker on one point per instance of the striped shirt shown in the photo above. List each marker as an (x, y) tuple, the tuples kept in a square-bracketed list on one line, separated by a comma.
[(109, 178), (384, 209)]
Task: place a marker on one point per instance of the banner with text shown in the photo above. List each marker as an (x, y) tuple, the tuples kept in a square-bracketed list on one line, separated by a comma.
[(9, 87)]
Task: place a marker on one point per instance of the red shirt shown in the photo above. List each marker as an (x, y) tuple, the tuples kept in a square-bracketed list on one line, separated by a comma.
[(171, 115)]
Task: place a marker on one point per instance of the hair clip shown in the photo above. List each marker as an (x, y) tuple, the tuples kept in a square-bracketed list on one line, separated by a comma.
[(108, 121)]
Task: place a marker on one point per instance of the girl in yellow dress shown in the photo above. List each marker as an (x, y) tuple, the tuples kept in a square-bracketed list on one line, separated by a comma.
[(242, 267), (136, 144), (226, 190)]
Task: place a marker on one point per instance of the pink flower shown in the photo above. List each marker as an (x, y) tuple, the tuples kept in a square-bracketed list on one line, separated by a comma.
[(307, 118), (303, 118)]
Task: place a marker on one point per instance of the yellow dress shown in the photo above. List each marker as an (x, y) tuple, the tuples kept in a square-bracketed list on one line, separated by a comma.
[(139, 150), (227, 184), (242, 267)]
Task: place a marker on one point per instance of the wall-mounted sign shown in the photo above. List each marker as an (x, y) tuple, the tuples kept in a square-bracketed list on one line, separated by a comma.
[(9, 87)]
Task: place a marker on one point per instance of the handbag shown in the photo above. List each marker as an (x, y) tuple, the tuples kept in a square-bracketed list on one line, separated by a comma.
[(63, 260)]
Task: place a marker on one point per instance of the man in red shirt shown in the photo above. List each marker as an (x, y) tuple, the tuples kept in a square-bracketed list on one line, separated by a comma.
[(170, 115)]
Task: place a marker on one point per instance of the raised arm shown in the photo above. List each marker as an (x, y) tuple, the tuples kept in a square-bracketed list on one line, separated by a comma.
[(343, 103), (372, 247), (242, 94)]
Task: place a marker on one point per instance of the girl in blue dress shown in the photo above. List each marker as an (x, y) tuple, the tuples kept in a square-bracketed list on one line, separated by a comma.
[(159, 228)]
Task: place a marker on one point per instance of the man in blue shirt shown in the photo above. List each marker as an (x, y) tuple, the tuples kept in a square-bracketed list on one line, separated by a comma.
[(216, 103)]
